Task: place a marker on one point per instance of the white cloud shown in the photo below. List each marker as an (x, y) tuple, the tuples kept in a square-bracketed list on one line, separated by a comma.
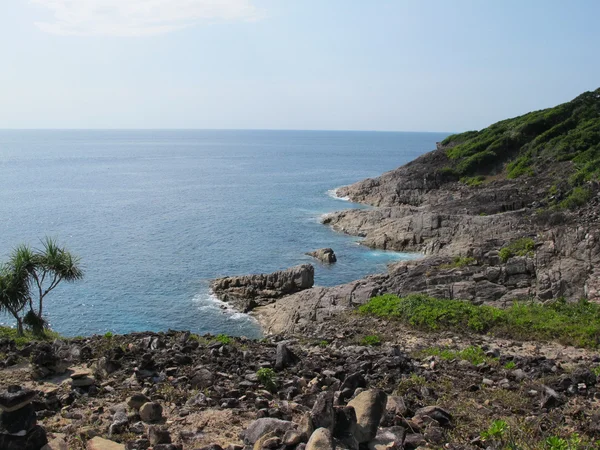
[(139, 17)]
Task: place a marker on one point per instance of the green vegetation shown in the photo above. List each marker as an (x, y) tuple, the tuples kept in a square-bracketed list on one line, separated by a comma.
[(496, 431), (371, 340), (27, 336), (459, 262), (473, 181), (266, 377), (569, 323), (520, 247), (224, 339), (33, 274), (510, 365), (579, 196), (525, 145), (414, 381), (475, 355), (108, 335)]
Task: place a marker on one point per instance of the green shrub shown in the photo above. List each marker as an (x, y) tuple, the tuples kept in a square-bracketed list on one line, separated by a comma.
[(473, 181), (224, 339), (266, 377), (371, 340), (108, 335), (520, 247), (569, 323), (496, 431), (459, 262), (510, 365), (579, 196)]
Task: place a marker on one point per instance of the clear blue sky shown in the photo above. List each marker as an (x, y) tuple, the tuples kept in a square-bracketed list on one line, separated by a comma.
[(422, 65)]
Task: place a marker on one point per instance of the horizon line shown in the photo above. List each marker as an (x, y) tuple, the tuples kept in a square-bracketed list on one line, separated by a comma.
[(223, 129)]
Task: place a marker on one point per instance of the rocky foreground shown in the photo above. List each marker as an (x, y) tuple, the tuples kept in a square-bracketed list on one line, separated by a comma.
[(326, 390)]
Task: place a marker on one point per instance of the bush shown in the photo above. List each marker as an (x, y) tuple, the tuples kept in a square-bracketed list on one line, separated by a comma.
[(575, 324), (520, 247), (459, 262), (266, 377), (371, 340), (579, 196)]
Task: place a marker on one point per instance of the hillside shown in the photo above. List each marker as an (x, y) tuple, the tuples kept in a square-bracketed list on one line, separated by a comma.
[(550, 156)]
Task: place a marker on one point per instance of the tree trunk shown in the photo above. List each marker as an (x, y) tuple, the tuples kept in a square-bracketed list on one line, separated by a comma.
[(19, 321)]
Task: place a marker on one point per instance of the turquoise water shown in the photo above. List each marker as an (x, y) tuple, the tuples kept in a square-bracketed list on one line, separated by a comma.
[(155, 215)]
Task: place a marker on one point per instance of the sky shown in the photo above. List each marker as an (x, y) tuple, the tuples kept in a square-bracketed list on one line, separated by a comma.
[(397, 65)]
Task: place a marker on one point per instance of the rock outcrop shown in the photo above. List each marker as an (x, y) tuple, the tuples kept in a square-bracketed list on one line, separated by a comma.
[(325, 255), (248, 291)]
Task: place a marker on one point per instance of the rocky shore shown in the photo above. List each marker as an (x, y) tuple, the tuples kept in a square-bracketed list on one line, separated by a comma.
[(325, 378), (323, 390)]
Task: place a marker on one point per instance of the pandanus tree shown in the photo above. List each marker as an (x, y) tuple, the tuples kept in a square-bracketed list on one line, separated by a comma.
[(30, 276)]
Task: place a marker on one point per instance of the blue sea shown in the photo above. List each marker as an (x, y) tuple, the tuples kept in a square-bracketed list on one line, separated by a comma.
[(154, 215)]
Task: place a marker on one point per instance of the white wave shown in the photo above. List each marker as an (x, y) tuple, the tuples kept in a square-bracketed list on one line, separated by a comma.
[(333, 194), (213, 304)]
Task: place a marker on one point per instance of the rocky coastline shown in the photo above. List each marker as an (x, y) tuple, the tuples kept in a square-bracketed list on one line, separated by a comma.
[(325, 378)]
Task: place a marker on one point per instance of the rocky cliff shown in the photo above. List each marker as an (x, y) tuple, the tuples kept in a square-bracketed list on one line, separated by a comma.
[(530, 179)]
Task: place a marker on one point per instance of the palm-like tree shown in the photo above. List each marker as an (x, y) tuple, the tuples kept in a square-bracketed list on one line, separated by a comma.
[(32, 273), (14, 288)]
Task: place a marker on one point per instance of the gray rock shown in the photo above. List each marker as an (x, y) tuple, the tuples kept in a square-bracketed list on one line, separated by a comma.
[(151, 412), (18, 422), (386, 438), (15, 397), (322, 413), (263, 426), (325, 255), (284, 357), (321, 439), (34, 440), (202, 379), (263, 288), (429, 414), (137, 400), (369, 406), (159, 435)]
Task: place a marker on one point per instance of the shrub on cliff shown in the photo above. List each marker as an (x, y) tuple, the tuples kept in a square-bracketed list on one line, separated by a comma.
[(532, 143)]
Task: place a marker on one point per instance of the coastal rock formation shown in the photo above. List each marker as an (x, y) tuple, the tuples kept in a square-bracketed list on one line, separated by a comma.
[(325, 255), (248, 291)]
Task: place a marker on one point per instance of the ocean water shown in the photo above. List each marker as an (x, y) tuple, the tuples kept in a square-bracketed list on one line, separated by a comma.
[(154, 215)]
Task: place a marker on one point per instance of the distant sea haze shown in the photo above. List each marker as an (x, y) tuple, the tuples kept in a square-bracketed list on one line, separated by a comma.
[(154, 215)]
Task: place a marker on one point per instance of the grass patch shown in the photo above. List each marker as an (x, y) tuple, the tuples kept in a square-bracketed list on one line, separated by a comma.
[(520, 247), (475, 355), (575, 324), (28, 337), (224, 339), (267, 378), (473, 181), (459, 262), (371, 340)]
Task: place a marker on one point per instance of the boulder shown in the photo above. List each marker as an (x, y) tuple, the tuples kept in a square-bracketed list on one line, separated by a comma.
[(151, 412), (325, 255), (386, 438), (284, 357), (136, 401), (369, 406), (99, 443), (265, 425), (322, 413), (321, 439), (34, 440), (262, 289)]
